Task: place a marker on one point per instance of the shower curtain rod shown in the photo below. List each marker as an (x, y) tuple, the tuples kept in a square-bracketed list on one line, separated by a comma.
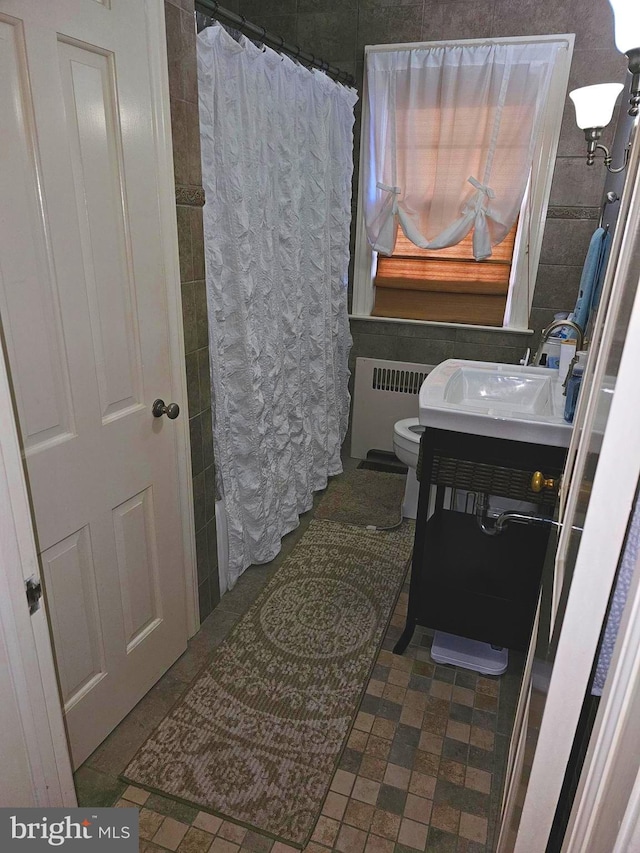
[(239, 22)]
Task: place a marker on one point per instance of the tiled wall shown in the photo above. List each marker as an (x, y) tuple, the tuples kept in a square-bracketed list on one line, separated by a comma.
[(337, 30), (183, 91)]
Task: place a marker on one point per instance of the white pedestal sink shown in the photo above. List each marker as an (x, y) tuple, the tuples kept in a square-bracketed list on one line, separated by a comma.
[(497, 400)]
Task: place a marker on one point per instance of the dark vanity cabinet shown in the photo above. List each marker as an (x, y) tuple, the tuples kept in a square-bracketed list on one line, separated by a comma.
[(464, 581)]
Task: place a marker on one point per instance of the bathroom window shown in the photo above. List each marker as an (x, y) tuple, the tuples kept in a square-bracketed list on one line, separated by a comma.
[(414, 177)]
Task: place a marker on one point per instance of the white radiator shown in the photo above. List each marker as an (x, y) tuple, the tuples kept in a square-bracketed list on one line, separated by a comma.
[(384, 392)]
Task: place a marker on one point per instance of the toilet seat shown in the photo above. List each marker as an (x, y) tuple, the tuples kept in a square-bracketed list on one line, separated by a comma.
[(406, 446)]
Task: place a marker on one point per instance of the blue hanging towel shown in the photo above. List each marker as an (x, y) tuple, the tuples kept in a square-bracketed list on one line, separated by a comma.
[(597, 290), (591, 278)]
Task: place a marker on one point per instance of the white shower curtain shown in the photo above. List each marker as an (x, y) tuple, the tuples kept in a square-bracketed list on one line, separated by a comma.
[(277, 163)]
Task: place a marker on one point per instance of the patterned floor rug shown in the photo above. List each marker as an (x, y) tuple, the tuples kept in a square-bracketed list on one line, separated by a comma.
[(257, 736), (364, 497)]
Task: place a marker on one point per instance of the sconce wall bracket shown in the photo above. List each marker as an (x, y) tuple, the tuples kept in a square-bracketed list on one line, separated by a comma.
[(592, 135), (634, 67)]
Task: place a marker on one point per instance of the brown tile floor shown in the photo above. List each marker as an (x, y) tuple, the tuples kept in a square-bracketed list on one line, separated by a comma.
[(422, 769)]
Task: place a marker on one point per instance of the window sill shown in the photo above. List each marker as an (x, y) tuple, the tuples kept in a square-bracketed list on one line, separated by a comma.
[(500, 329)]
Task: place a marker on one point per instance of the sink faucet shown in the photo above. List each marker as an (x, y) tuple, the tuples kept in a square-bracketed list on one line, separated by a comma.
[(546, 333)]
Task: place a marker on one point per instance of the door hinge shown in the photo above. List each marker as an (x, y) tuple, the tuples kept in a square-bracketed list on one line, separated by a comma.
[(34, 594)]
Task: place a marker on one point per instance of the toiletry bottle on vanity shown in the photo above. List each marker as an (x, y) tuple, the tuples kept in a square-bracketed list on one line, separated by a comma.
[(551, 349), (574, 383)]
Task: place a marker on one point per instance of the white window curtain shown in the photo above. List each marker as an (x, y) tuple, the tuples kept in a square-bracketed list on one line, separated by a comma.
[(277, 163), (452, 131)]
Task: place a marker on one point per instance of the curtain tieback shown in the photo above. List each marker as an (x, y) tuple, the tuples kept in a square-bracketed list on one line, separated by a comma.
[(481, 241), (485, 192), (395, 191)]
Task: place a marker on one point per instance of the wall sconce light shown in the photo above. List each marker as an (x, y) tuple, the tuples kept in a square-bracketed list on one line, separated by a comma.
[(626, 14), (594, 109)]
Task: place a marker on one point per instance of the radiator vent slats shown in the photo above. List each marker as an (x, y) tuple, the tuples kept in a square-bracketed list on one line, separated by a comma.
[(401, 381), (384, 391)]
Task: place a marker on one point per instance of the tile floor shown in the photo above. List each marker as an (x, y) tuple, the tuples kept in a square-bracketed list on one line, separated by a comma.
[(422, 769)]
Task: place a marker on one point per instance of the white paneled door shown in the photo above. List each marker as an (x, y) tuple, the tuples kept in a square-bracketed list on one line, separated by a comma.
[(86, 301)]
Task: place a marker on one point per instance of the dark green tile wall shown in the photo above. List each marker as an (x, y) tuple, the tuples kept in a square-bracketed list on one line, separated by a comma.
[(183, 90)]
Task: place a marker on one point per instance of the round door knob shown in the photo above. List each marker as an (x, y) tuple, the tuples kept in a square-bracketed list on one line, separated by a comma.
[(540, 482), (159, 409)]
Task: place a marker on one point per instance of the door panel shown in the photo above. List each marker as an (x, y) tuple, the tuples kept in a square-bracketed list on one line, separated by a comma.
[(133, 523), (83, 299), (96, 157), (29, 296), (75, 614)]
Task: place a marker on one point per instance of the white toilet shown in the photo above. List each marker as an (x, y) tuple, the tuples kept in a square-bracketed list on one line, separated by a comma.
[(406, 444)]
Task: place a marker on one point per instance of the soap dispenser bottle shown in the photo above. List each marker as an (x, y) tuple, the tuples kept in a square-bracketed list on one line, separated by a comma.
[(574, 381)]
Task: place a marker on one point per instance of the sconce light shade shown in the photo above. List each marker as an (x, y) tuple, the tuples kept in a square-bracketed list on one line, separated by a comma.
[(594, 109), (594, 104), (627, 24), (626, 14)]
